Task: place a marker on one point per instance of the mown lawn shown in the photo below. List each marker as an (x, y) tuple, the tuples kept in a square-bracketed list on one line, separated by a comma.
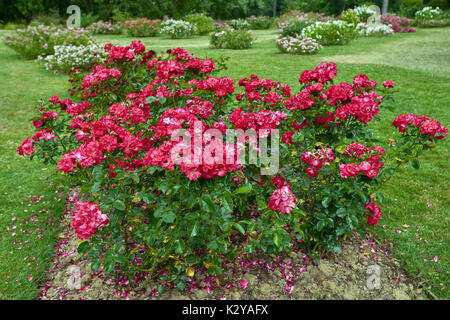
[(415, 212)]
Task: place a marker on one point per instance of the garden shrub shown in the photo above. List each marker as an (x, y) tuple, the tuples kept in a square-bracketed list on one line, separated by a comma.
[(66, 58), (178, 29), (398, 24), (293, 28), (219, 26), (259, 22), (102, 27), (429, 13), (40, 41), (232, 39), (364, 12), (297, 45), (142, 27), (330, 32), (202, 22), (88, 19), (376, 31), (350, 16), (141, 208), (409, 8), (431, 17), (239, 24), (14, 26)]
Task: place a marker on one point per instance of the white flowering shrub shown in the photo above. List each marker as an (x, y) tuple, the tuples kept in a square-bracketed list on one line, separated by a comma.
[(68, 57), (232, 39), (298, 45), (239, 24), (330, 32), (376, 31), (428, 13), (364, 12), (178, 29)]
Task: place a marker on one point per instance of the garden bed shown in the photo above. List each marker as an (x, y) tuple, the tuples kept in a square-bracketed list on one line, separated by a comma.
[(292, 276)]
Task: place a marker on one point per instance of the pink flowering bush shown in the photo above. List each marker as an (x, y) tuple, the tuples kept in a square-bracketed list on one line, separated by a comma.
[(398, 24), (142, 27), (145, 206), (41, 40), (105, 27)]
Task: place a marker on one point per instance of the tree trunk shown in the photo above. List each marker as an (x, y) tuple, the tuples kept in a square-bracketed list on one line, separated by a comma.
[(274, 8), (385, 6)]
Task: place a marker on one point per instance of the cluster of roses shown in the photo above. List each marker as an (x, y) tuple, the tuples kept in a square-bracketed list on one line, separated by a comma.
[(27, 146), (357, 100), (87, 219), (369, 167), (429, 127), (316, 160)]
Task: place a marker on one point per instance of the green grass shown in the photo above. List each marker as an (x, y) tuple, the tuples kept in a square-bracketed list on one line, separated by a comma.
[(418, 63)]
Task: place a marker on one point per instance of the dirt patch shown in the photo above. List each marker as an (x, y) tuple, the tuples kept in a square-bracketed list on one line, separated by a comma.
[(365, 270)]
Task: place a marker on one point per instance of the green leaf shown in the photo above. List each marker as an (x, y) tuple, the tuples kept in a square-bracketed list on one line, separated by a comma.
[(325, 202), (181, 285), (96, 186), (414, 164), (243, 190), (194, 230), (83, 247), (207, 204), (97, 172), (168, 217), (227, 203), (150, 99), (179, 246), (239, 227), (341, 212), (118, 204), (277, 240)]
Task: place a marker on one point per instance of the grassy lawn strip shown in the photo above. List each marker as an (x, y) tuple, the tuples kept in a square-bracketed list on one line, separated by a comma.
[(22, 264)]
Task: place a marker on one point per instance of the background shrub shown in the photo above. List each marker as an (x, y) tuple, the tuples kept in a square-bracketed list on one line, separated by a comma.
[(202, 22), (350, 16), (293, 28), (65, 58), (40, 41), (297, 45), (409, 8), (330, 32), (376, 31), (102, 27), (232, 39), (178, 29), (260, 22), (142, 27), (239, 24)]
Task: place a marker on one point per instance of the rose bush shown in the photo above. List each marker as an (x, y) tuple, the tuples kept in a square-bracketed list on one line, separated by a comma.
[(259, 22), (398, 24), (102, 27), (124, 135), (142, 27)]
